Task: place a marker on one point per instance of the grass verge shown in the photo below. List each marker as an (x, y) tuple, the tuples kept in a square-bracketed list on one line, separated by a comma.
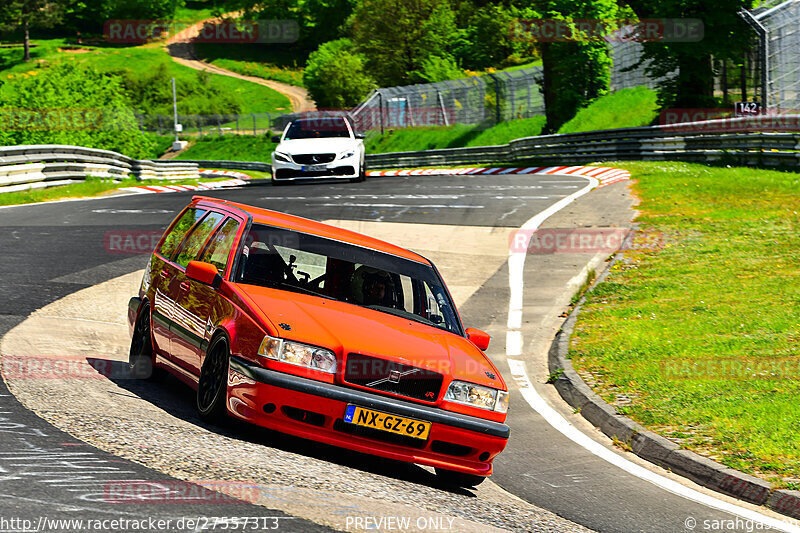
[(696, 334), (457, 135), (90, 187), (231, 148)]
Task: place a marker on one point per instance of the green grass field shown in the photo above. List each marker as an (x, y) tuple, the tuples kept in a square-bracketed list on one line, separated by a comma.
[(138, 59), (231, 148), (90, 187), (271, 62), (626, 108), (700, 325)]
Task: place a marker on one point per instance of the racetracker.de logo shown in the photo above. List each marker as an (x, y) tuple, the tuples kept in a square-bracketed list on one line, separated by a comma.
[(699, 120), (219, 32), (608, 30), (51, 119), (131, 241), (179, 492), (571, 240)]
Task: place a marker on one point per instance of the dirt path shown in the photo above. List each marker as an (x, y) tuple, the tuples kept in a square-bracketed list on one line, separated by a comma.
[(181, 49)]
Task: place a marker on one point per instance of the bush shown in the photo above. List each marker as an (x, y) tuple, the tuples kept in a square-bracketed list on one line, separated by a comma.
[(196, 94), (335, 75), (437, 68), (68, 104)]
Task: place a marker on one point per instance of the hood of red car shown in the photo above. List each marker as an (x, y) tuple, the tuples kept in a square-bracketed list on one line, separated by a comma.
[(347, 328)]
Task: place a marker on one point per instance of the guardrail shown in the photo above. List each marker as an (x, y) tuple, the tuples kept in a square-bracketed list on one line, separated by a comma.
[(230, 165), (680, 142), (744, 141), (750, 141), (47, 165)]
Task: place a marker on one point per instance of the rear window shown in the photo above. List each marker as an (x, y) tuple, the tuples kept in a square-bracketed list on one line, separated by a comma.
[(179, 230)]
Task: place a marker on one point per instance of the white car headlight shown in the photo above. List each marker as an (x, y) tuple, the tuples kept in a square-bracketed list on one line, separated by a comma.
[(299, 354), (345, 155), (283, 157), (477, 396)]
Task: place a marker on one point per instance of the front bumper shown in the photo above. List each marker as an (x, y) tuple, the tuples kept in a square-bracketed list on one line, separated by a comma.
[(338, 168), (314, 410)]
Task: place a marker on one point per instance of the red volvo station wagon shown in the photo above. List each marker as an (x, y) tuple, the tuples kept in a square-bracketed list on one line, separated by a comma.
[(321, 333)]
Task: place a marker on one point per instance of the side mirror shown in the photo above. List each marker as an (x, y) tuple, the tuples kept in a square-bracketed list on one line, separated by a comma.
[(360, 136), (276, 138), (478, 338), (204, 273)]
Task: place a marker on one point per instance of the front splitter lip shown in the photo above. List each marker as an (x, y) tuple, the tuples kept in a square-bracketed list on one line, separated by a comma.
[(369, 400)]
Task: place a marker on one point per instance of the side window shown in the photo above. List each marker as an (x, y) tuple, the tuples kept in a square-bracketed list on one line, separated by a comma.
[(432, 307), (179, 230), (197, 238), (219, 249)]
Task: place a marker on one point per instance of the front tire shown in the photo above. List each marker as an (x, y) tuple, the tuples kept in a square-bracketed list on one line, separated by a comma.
[(362, 175), (212, 389), (458, 479)]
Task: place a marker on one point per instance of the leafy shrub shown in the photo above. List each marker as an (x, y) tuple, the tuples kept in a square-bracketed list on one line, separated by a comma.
[(196, 94), (335, 75), (69, 104)]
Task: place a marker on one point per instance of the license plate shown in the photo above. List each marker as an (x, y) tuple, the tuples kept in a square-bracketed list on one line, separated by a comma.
[(315, 168), (399, 425)]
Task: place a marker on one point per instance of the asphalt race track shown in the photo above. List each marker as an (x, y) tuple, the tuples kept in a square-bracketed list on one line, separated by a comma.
[(54, 250)]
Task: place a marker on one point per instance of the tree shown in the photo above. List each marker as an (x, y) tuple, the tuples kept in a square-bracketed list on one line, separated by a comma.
[(89, 15), (725, 36), (397, 36), (27, 14), (576, 70), (335, 75), (488, 39)]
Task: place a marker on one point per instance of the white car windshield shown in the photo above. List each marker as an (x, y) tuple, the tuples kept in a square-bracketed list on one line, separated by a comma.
[(317, 128)]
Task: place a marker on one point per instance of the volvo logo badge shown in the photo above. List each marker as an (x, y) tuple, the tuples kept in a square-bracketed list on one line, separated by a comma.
[(393, 377)]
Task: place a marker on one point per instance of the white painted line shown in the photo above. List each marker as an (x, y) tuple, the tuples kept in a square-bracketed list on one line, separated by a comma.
[(401, 206), (516, 264), (513, 343)]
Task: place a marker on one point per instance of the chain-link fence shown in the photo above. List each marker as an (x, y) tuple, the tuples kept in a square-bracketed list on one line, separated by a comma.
[(781, 26), (192, 125), (492, 98), (628, 70)]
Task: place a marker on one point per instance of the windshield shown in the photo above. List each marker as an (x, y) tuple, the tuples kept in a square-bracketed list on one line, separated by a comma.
[(288, 260), (317, 128)]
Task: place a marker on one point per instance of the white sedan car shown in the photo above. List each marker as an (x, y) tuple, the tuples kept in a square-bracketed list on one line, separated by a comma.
[(315, 148)]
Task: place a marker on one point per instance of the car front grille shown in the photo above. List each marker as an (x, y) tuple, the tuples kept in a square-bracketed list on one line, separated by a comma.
[(313, 159), (388, 376)]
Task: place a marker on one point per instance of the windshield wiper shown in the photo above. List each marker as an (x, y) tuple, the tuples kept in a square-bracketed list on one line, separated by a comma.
[(294, 288), (404, 314)]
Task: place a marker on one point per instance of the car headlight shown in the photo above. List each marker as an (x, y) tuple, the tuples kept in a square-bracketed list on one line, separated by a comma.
[(345, 155), (477, 396), (283, 157), (299, 354)]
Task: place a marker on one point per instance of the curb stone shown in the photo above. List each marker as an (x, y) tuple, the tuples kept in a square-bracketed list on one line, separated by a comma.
[(649, 445)]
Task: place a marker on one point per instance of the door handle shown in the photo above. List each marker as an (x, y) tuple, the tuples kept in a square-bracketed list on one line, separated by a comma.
[(184, 286), (166, 274)]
